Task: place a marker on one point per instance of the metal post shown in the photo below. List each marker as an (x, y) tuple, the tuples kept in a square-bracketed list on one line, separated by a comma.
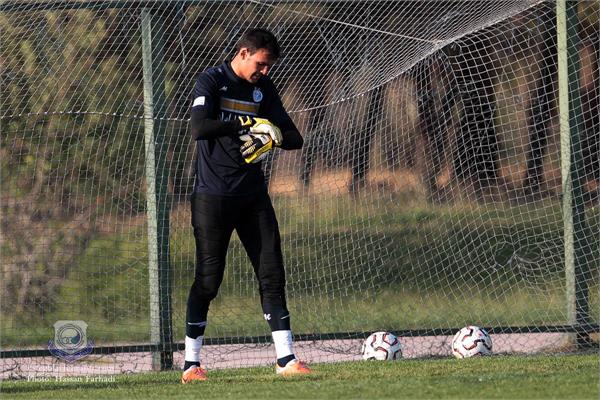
[(572, 168), (156, 182)]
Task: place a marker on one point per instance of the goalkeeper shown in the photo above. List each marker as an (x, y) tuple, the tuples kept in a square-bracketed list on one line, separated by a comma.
[(237, 118)]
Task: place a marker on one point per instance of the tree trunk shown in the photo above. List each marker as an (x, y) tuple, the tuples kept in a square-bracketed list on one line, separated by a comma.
[(591, 117), (539, 113), (476, 158), (360, 143), (434, 118)]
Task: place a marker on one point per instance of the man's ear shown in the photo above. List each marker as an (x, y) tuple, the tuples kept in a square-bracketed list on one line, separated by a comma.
[(244, 53)]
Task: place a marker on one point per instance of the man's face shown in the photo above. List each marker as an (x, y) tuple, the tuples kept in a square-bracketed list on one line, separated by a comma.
[(253, 66)]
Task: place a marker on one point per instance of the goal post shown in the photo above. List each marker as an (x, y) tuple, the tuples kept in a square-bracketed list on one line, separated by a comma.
[(155, 113), (577, 252)]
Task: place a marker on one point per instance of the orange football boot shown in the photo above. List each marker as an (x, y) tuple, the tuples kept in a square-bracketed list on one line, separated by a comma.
[(294, 367), (193, 373)]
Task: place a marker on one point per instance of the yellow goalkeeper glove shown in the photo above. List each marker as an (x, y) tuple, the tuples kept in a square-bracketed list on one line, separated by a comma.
[(262, 125), (256, 146)]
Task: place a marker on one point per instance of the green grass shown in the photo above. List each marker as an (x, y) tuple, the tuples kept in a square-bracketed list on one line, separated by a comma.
[(388, 309), (500, 377), (373, 264)]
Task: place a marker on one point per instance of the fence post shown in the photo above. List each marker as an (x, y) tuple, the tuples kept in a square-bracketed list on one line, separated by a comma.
[(572, 168), (156, 187)]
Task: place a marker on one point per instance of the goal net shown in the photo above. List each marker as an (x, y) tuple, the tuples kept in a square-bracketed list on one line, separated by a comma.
[(435, 189)]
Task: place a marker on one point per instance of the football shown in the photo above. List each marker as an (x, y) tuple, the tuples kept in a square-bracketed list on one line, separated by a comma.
[(383, 346), (471, 341)]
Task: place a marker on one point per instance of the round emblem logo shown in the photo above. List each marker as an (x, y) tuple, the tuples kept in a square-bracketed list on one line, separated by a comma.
[(70, 336), (257, 95)]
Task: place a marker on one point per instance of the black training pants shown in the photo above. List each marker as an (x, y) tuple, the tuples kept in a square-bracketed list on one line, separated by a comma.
[(214, 218)]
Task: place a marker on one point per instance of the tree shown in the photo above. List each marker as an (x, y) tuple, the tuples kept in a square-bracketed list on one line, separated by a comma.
[(70, 147), (539, 113), (476, 158), (435, 114)]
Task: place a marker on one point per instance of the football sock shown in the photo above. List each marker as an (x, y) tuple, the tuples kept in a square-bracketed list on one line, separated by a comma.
[(189, 364), (282, 362), (192, 351), (283, 346), (195, 329), (276, 315)]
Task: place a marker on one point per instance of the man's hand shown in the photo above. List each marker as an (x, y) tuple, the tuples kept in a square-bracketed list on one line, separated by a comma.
[(255, 147), (262, 125)]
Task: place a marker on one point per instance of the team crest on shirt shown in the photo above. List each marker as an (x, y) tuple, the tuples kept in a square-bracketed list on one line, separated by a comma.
[(257, 95)]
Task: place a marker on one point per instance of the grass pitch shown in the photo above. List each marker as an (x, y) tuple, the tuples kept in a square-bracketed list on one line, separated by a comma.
[(507, 377)]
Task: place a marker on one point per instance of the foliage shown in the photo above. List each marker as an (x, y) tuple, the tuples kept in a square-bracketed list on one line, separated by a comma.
[(70, 150)]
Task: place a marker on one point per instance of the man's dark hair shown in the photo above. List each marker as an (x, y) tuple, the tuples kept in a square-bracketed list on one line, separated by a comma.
[(256, 39)]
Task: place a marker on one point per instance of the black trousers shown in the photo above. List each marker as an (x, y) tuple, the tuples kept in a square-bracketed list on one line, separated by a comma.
[(214, 218)]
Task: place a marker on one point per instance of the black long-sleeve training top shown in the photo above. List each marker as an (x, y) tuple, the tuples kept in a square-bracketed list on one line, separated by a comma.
[(219, 97)]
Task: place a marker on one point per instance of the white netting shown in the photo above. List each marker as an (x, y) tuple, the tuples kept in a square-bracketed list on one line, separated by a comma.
[(428, 195)]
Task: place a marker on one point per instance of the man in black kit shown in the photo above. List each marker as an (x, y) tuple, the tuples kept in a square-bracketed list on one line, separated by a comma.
[(237, 118)]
